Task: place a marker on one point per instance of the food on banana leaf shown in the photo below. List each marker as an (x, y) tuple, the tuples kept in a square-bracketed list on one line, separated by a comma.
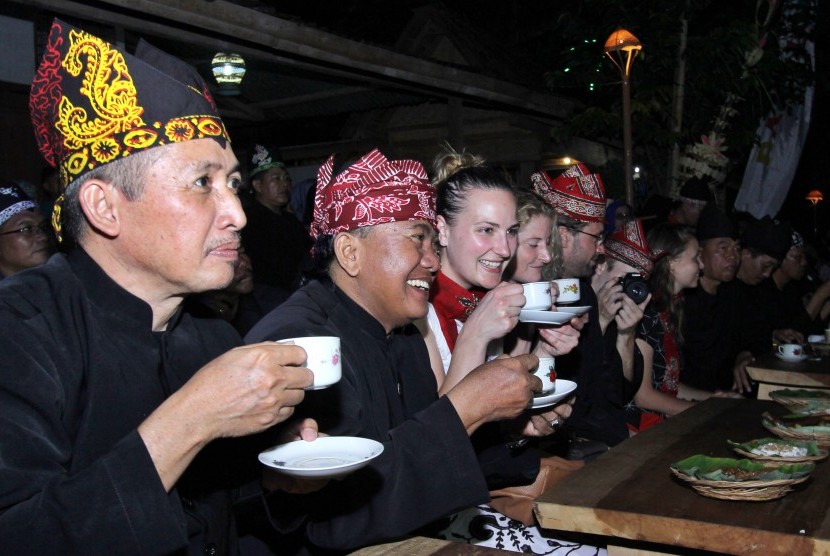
[(738, 470), (778, 447)]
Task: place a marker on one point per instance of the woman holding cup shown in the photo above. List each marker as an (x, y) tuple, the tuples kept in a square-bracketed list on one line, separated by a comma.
[(533, 255), (536, 221), (472, 308)]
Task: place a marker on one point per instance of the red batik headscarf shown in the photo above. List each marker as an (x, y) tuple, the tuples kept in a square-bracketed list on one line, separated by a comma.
[(371, 191)]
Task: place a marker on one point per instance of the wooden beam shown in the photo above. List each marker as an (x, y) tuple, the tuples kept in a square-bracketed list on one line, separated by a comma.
[(222, 25), (248, 111), (310, 97)]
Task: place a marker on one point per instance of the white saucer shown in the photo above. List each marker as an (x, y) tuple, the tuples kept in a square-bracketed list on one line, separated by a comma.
[(326, 457), (791, 358), (578, 311), (544, 317), (563, 390)]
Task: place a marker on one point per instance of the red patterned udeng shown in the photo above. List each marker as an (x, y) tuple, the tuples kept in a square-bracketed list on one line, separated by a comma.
[(628, 244), (576, 192), (372, 191)]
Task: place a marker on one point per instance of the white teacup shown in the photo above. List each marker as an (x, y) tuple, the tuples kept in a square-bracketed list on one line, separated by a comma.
[(322, 358), (547, 374), (568, 290), (537, 296), (790, 350)]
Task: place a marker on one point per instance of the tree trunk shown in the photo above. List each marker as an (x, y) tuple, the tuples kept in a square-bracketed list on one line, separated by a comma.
[(678, 90)]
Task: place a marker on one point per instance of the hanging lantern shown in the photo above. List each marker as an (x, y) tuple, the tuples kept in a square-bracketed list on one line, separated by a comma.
[(228, 70), (814, 196)]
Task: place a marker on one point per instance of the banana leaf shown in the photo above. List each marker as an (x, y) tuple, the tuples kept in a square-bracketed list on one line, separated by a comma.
[(798, 422), (737, 470), (817, 408)]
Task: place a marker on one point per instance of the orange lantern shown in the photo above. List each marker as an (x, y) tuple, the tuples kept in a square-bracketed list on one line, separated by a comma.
[(814, 196)]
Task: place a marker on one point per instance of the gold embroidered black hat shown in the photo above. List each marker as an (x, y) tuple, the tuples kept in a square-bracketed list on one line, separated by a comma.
[(92, 103)]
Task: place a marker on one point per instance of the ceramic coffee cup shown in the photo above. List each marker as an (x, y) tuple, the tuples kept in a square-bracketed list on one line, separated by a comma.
[(537, 296), (547, 374), (322, 358), (790, 350), (568, 290)]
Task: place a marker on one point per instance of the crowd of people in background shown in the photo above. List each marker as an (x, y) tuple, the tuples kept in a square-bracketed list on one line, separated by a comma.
[(142, 297)]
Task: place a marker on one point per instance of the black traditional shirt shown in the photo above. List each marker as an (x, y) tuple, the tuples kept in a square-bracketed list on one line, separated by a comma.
[(601, 388), (277, 245), (709, 346), (428, 468), (80, 369), (762, 308)]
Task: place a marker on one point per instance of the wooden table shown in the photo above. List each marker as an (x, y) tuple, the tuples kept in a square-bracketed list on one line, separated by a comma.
[(772, 373), (629, 494)]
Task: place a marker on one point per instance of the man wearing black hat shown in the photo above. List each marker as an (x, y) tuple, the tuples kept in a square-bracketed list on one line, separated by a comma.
[(693, 196), (25, 238), (788, 279), (764, 244), (779, 310), (708, 328), (117, 405)]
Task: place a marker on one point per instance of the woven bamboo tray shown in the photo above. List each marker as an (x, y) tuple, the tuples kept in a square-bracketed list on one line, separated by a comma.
[(780, 460), (792, 433), (747, 491), (807, 409), (796, 403)]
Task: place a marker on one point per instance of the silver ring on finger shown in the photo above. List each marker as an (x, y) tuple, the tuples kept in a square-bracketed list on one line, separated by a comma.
[(553, 423)]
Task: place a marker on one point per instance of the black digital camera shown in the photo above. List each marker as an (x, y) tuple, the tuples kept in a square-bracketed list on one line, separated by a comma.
[(634, 286)]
